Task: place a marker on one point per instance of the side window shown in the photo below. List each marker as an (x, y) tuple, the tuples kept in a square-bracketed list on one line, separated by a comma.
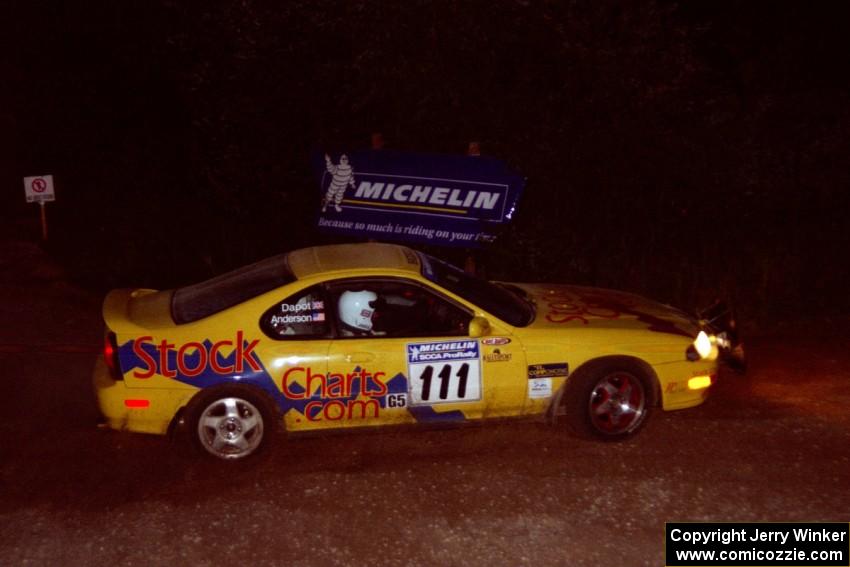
[(395, 309), (301, 316)]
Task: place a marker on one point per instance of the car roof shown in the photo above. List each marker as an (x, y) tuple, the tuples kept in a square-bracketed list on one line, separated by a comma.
[(322, 259)]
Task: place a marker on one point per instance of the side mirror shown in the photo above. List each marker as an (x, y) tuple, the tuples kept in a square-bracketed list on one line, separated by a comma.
[(479, 327)]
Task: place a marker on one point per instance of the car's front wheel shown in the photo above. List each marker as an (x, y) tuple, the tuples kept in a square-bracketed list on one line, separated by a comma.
[(231, 423), (608, 400)]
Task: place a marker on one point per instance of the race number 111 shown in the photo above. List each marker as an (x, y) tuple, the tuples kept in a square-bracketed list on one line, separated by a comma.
[(456, 381)]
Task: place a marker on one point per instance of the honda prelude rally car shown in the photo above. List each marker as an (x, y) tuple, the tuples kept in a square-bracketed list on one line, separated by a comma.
[(375, 334)]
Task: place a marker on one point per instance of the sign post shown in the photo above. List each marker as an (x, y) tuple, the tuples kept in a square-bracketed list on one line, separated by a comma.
[(39, 189), (43, 220)]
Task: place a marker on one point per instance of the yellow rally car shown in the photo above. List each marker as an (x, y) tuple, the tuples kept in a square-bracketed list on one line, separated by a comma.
[(376, 334)]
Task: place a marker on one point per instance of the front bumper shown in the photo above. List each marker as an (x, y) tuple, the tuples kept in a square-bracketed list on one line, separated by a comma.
[(674, 379)]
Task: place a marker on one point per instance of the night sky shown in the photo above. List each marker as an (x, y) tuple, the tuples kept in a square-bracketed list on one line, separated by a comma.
[(683, 150)]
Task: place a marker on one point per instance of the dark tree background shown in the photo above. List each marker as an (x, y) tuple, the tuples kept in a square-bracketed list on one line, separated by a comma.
[(684, 150)]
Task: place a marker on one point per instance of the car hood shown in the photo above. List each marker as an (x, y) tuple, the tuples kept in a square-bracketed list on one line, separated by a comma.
[(568, 305)]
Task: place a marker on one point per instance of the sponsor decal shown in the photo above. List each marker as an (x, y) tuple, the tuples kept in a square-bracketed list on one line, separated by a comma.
[(456, 199), (299, 307), (498, 357), (447, 350), (539, 388), (443, 371), (566, 306), (337, 396), (308, 312), (143, 354), (289, 319), (552, 370), (495, 341), (396, 400), (195, 358)]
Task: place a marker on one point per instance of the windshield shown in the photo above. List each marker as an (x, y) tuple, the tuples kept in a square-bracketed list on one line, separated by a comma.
[(506, 304), (201, 300)]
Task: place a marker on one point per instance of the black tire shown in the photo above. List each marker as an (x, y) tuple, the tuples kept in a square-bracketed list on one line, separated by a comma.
[(608, 399), (232, 423)]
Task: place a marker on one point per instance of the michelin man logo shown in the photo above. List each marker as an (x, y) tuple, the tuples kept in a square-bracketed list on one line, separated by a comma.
[(342, 177), (412, 353)]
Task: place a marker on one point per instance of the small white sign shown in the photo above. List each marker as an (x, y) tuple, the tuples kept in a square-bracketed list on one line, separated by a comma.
[(539, 388), (39, 188)]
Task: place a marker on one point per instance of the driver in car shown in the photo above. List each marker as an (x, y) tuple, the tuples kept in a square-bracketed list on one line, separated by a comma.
[(356, 311)]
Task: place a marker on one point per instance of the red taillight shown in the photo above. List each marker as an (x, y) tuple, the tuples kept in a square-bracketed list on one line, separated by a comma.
[(110, 355)]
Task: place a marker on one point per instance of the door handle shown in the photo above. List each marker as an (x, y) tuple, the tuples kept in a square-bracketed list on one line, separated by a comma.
[(359, 357)]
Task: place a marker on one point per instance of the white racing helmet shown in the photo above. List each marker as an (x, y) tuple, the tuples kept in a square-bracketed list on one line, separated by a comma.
[(356, 309)]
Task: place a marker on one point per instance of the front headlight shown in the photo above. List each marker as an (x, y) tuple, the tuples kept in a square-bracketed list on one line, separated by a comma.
[(704, 347), (703, 344)]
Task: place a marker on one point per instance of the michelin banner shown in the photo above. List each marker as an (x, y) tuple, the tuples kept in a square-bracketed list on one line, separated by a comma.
[(448, 200)]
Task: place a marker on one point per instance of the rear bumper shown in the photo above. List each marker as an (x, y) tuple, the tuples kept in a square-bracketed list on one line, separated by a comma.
[(142, 410)]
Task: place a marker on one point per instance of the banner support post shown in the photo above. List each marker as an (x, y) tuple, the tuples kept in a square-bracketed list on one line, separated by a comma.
[(473, 150), (43, 220)]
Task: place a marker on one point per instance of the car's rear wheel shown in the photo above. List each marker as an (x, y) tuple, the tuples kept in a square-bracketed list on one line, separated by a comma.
[(231, 423), (608, 400)]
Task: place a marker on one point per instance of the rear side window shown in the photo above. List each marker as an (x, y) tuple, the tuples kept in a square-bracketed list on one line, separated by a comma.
[(197, 301), (301, 316)]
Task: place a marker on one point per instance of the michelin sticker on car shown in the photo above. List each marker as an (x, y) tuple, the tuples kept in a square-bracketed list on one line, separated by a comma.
[(444, 371)]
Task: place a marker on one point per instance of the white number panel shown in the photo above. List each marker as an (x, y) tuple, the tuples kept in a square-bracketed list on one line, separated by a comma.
[(445, 371)]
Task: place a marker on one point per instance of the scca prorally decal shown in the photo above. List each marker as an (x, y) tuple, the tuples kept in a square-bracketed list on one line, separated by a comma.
[(444, 371), (444, 350), (337, 393), (194, 358)]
